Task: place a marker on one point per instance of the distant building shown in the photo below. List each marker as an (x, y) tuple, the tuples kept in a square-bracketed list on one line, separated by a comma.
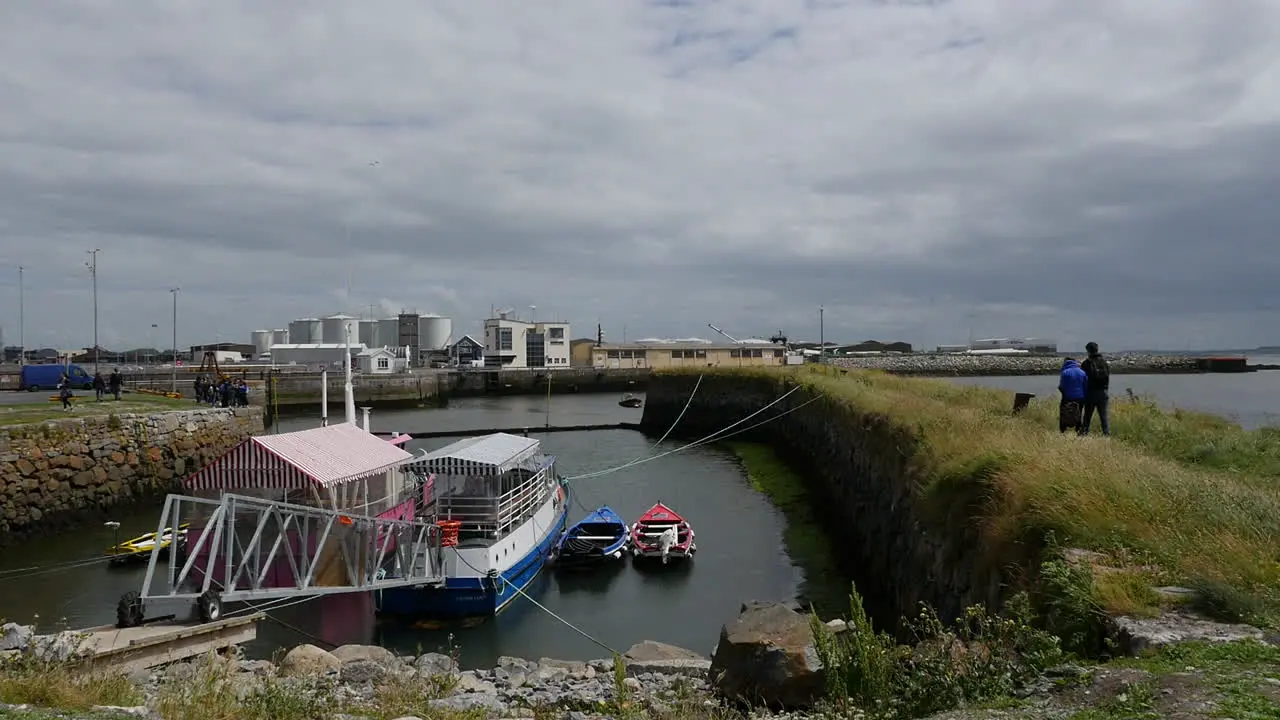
[(580, 352), (246, 351), (517, 344), (326, 354), (466, 351), (676, 354), (381, 361)]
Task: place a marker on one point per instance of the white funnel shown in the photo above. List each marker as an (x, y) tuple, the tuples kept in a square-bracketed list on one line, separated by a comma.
[(366, 410)]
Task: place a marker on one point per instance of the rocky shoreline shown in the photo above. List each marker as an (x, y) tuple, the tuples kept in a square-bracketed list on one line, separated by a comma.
[(943, 365), (765, 660)]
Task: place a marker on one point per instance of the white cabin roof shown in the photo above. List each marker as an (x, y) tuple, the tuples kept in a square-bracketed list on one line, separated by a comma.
[(485, 455)]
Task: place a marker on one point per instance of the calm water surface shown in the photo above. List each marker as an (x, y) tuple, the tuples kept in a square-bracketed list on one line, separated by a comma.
[(1251, 399), (741, 556)]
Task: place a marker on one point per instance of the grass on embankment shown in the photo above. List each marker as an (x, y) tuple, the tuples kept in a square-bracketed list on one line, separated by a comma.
[(1155, 499), (86, 405)]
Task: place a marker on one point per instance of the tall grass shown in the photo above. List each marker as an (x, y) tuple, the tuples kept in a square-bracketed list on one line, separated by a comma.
[(1187, 497)]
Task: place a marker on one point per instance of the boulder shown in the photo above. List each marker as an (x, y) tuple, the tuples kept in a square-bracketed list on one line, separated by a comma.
[(14, 636), (655, 657), (373, 653), (766, 656), (308, 660)]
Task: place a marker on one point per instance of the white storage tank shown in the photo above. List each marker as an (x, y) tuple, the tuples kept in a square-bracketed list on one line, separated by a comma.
[(261, 340), (333, 329), (279, 337), (434, 332), (389, 332), (305, 331), (368, 334)]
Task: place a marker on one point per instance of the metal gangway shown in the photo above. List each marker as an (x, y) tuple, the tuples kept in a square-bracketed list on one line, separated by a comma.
[(245, 548)]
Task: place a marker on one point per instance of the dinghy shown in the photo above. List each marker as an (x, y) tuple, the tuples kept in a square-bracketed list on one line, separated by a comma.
[(662, 533), (601, 535)]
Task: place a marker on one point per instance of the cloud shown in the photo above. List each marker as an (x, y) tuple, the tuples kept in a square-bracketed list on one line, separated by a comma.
[(1079, 170)]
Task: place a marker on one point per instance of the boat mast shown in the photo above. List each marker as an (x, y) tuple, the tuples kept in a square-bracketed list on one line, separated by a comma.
[(349, 395)]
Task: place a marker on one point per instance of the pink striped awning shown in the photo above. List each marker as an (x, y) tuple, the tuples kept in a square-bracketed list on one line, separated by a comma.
[(324, 457)]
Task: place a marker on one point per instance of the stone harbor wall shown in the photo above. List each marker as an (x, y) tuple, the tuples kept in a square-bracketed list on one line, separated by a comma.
[(859, 470), (931, 365), (62, 471)]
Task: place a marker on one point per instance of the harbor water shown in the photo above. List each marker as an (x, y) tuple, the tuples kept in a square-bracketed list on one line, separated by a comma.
[(741, 554)]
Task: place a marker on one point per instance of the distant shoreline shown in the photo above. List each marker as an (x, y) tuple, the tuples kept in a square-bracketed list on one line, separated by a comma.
[(946, 365)]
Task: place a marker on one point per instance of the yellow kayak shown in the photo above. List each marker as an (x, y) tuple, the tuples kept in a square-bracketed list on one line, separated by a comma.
[(141, 546)]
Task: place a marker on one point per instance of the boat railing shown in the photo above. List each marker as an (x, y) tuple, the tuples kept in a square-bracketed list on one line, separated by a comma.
[(522, 501)]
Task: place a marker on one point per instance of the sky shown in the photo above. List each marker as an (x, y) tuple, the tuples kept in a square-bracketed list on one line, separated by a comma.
[(920, 169)]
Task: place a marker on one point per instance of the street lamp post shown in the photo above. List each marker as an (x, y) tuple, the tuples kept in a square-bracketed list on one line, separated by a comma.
[(822, 338), (22, 340), (93, 271), (174, 355)]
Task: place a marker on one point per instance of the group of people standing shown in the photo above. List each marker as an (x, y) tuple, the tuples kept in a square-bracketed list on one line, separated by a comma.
[(1085, 388), (222, 392), (101, 387)]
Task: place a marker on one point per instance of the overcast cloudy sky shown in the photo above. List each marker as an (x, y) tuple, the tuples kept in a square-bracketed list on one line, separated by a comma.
[(1075, 169)]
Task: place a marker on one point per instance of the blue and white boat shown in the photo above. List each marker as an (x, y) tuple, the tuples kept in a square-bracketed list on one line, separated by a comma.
[(601, 535), (502, 509)]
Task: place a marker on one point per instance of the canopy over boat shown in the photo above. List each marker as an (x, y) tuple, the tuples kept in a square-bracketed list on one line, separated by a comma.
[(486, 455), (322, 457)]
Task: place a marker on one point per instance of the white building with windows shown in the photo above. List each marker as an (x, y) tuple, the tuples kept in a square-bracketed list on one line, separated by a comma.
[(382, 361), (518, 345)]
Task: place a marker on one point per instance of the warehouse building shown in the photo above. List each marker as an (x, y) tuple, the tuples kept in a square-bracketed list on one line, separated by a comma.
[(668, 354)]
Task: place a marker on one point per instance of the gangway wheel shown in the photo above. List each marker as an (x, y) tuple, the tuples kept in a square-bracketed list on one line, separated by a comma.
[(129, 611), (209, 606)]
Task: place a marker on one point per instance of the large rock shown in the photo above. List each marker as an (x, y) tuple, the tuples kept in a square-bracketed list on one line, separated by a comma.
[(655, 657), (373, 653), (308, 660), (14, 636), (1140, 635), (766, 656)]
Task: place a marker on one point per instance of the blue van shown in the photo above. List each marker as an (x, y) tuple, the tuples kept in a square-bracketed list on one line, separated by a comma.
[(46, 377)]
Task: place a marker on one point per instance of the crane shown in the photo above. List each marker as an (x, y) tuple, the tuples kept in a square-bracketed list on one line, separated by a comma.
[(732, 339)]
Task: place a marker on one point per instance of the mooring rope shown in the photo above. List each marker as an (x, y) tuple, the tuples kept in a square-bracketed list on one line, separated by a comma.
[(681, 415), (710, 438)]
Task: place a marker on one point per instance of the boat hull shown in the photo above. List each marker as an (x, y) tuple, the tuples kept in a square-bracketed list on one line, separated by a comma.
[(470, 597)]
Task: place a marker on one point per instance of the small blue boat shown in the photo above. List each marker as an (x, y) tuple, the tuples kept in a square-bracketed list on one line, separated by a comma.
[(601, 535)]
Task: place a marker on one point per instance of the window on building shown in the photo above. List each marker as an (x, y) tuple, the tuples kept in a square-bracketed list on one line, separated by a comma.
[(639, 354), (383, 363), (735, 353), (613, 354), (700, 354), (555, 333), (757, 353), (504, 339), (777, 353)]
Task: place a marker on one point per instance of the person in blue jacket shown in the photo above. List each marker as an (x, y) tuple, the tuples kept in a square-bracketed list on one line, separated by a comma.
[(1073, 385)]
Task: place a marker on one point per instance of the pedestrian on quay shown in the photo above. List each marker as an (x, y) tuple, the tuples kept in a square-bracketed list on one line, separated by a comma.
[(64, 392), (115, 382), (1072, 384), (99, 385), (1097, 395)]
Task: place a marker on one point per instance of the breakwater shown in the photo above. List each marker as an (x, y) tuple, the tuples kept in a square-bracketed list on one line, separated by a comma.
[(863, 479), (943, 365), (60, 471), (288, 390)]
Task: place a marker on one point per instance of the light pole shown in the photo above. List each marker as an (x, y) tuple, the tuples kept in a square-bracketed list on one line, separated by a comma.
[(173, 388), (93, 271), (822, 338), (22, 341)]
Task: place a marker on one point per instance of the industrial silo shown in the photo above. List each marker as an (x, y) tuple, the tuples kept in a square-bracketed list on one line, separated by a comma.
[(434, 332), (389, 333), (261, 340), (333, 329), (368, 333), (280, 337), (304, 331)]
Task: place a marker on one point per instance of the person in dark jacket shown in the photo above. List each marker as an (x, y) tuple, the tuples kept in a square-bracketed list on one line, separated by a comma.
[(1098, 372), (1073, 385), (115, 382), (99, 385)]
